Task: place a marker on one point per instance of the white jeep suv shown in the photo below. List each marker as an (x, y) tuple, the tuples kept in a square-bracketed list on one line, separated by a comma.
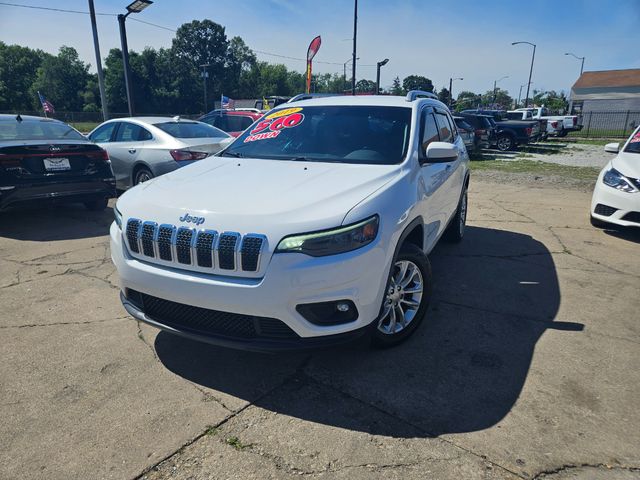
[(311, 228)]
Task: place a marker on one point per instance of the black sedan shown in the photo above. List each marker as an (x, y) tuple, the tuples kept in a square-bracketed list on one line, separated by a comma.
[(45, 160)]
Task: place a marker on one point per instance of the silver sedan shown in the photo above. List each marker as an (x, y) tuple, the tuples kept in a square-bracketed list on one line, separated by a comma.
[(141, 148)]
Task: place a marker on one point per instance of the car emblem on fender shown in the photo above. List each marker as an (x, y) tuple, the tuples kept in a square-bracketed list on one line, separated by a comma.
[(192, 219)]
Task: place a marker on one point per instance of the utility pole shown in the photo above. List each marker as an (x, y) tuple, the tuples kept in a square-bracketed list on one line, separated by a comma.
[(533, 57), (96, 45), (353, 56), (451, 79), (205, 75)]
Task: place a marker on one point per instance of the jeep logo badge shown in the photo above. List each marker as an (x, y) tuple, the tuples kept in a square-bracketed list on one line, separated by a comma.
[(191, 219)]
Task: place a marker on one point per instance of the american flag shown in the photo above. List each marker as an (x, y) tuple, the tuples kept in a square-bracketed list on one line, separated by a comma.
[(47, 106), (227, 103)]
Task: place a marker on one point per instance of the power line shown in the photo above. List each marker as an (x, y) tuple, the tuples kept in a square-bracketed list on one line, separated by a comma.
[(168, 29), (55, 9)]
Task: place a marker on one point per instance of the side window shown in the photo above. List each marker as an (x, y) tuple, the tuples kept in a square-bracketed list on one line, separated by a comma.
[(145, 134), (444, 128), (103, 134), (429, 131), (129, 132)]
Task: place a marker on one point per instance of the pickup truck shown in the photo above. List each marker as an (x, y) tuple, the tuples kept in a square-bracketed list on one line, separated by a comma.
[(511, 133), (569, 123), (547, 127)]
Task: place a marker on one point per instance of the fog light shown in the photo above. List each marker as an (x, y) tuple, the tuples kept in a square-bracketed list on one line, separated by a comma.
[(342, 307), (329, 313)]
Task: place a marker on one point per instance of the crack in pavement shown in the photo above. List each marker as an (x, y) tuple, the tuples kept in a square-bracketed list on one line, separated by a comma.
[(569, 467), (87, 322), (225, 420)]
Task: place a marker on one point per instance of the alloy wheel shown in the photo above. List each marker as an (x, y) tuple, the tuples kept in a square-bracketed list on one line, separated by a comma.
[(403, 298)]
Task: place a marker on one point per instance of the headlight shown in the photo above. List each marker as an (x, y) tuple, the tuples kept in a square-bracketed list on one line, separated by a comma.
[(332, 242), (615, 179), (118, 217)]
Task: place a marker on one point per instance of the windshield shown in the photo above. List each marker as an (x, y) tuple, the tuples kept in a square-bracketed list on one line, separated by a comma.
[(634, 143), (191, 130), (344, 134), (37, 130)]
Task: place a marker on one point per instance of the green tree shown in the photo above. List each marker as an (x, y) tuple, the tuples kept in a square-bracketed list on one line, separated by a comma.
[(443, 95), (556, 102), (502, 99), (62, 79), (18, 70), (467, 100), (396, 87), (365, 86), (417, 82)]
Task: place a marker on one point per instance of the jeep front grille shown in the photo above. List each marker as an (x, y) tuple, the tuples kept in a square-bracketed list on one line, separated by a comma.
[(227, 251)]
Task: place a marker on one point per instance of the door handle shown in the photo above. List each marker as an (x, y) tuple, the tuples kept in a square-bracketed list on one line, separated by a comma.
[(132, 150)]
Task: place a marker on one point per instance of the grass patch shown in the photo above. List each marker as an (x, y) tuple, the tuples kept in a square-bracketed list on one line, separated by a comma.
[(84, 127), (601, 143), (237, 444), (210, 431), (536, 167)]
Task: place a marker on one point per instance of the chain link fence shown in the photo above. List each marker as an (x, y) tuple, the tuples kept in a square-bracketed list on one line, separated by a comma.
[(618, 124)]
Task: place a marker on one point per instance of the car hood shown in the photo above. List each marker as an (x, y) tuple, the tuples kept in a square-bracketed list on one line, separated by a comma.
[(628, 164), (269, 197)]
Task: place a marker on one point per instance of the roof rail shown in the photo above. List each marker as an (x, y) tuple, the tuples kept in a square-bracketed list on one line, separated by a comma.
[(308, 96), (413, 94)]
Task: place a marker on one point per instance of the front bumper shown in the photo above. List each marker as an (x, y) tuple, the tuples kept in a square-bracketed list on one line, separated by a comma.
[(625, 205), (56, 192), (290, 280)]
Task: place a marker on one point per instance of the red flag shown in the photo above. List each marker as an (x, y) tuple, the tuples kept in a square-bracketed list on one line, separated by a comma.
[(314, 46)]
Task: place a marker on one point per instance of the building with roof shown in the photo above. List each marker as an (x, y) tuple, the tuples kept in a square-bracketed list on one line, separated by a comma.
[(606, 91)]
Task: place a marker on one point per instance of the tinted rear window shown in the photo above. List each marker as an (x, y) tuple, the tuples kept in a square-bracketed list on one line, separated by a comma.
[(191, 130), (37, 130)]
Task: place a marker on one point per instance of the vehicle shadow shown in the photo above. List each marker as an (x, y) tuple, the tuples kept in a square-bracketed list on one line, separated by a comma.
[(630, 234), (54, 222), (494, 295)]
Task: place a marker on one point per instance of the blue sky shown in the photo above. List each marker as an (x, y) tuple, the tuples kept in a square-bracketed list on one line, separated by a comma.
[(435, 38)]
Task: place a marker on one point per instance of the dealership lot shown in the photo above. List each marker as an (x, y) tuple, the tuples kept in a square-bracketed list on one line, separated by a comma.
[(526, 368)]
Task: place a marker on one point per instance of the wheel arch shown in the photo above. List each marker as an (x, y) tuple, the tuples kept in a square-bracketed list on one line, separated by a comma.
[(137, 167)]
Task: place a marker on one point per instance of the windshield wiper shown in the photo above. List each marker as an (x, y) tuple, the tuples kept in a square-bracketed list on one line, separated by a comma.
[(317, 160), (232, 154)]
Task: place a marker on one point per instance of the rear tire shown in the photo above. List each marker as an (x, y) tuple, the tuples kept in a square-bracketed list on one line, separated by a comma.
[(97, 205), (563, 133), (455, 230), (142, 175), (406, 298), (506, 143)]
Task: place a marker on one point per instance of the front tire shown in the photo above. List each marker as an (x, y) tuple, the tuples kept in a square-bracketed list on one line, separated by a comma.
[(406, 298)]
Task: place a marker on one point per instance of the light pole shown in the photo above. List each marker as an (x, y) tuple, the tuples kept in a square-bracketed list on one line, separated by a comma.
[(495, 83), (205, 75), (135, 7), (520, 95), (96, 46), (380, 64), (579, 58), (451, 89), (533, 56), (353, 55)]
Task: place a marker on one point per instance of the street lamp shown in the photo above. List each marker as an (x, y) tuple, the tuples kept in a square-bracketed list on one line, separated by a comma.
[(353, 54), (344, 70), (579, 58), (135, 7), (520, 95), (205, 75), (495, 83), (380, 64), (533, 56), (451, 89)]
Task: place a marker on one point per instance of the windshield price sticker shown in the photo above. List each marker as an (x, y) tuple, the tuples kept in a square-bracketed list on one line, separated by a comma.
[(636, 138), (275, 124), (284, 112)]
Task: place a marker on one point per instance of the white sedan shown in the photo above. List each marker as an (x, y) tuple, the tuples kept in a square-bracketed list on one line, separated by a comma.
[(616, 197), (141, 148)]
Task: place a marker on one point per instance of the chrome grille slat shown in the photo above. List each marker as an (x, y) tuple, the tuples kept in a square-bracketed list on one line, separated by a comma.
[(147, 238), (184, 239), (227, 247), (251, 251), (204, 249)]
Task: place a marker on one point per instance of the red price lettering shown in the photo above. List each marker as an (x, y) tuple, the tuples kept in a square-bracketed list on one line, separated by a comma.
[(261, 126)]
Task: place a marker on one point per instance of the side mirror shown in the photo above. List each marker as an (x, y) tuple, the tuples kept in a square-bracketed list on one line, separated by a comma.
[(612, 147), (441, 152)]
